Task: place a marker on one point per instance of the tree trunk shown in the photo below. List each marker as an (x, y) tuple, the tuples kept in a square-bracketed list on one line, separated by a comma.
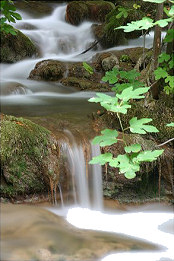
[(156, 51)]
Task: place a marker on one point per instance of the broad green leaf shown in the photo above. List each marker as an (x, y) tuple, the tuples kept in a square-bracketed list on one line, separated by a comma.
[(138, 126), (130, 75), (107, 138), (160, 73), (125, 165), (148, 155), (16, 16), (116, 107), (169, 36), (122, 12), (88, 68), (132, 148), (143, 24), (129, 93), (170, 80), (101, 159), (164, 57), (130, 174), (171, 63), (111, 76), (171, 12), (170, 124), (163, 22), (101, 98)]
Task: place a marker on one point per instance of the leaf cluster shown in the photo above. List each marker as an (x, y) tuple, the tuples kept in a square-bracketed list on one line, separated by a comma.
[(9, 15)]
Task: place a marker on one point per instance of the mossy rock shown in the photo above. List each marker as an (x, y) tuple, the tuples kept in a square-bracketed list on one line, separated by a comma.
[(110, 37), (16, 47), (85, 84), (49, 70), (35, 8), (29, 157), (79, 11)]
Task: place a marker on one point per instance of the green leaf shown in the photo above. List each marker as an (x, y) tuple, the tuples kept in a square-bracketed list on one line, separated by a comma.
[(164, 57), (170, 124), (129, 93), (143, 24), (160, 73), (138, 126), (171, 63), (170, 80), (101, 98), (148, 155), (108, 138), (111, 76), (169, 36), (16, 16), (101, 159), (125, 165), (171, 12), (163, 22), (88, 68), (122, 12), (130, 75), (132, 148)]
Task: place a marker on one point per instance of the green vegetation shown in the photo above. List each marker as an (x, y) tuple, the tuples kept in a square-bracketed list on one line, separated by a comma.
[(8, 11)]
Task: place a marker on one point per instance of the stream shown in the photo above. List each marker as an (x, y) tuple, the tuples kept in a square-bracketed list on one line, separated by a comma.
[(83, 229)]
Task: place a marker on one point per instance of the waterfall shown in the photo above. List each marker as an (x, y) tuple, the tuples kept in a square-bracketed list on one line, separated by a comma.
[(97, 180), (86, 180)]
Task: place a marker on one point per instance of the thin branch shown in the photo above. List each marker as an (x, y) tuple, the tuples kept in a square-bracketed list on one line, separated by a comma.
[(165, 142)]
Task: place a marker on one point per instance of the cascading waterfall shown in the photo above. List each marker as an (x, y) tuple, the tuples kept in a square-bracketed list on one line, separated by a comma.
[(86, 181)]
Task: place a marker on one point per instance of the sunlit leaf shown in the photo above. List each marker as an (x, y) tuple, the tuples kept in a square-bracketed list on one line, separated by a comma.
[(132, 148), (101, 159), (138, 126), (129, 93), (111, 76), (107, 138), (88, 68), (163, 22), (170, 124), (148, 155), (143, 24)]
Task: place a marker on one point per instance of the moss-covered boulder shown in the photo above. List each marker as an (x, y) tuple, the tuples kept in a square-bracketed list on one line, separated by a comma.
[(106, 32), (16, 47), (49, 70), (29, 157), (79, 11), (85, 84), (35, 8)]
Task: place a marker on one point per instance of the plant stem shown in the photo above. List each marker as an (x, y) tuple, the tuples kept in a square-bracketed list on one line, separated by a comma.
[(121, 128)]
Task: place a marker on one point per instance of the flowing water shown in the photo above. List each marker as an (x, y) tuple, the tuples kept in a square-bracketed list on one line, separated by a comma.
[(33, 233)]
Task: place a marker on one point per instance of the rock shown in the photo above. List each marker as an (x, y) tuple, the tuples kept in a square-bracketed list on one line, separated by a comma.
[(8, 88), (110, 62), (85, 85), (29, 157), (16, 47), (106, 32), (133, 54), (26, 26), (79, 11), (49, 70)]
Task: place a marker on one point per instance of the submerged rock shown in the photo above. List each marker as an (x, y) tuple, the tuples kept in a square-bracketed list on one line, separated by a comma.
[(29, 157), (79, 11), (16, 47)]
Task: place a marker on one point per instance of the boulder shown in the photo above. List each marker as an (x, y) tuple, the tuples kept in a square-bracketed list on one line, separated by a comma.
[(35, 8), (110, 62), (49, 70), (29, 157), (16, 47), (79, 11)]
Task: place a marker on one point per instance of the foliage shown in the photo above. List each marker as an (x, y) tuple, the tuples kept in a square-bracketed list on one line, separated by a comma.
[(88, 68), (9, 15), (166, 61), (129, 163)]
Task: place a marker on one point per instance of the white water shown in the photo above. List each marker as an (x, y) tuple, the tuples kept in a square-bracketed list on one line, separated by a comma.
[(86, 181)]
